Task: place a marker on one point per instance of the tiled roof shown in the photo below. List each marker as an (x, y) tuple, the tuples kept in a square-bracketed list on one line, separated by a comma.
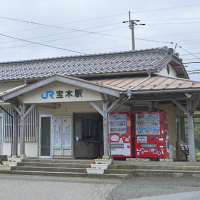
[(121, 62)]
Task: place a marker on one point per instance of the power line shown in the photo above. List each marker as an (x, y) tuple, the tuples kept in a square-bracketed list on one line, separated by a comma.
[(66, 38), (36, 23), (181, 19), (101, 33), (62, 33), (191, 62), (175, 23), (41, 44), (189, 52), (166, 8)]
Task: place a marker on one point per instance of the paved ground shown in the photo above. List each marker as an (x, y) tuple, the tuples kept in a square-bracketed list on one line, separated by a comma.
[(53, 188), (154, 188), (15, 187)]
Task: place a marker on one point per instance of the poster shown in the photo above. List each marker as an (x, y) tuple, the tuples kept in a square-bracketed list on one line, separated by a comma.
[(57, 132), (66, 132)]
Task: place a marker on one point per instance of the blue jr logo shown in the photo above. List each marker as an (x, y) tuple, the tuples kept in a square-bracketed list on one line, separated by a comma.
[(50, 93)]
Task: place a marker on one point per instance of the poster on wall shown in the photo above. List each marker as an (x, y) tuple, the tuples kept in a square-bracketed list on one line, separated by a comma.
[(66, 132), (57, 132)]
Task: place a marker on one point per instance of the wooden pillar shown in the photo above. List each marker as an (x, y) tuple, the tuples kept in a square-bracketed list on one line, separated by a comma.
[(22, 132), (178, 137), (190, 130), (15, 134), (105, 129), (182, 129)]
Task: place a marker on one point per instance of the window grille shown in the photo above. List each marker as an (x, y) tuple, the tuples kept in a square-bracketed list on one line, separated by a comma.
[(7, 125), (30, 126)]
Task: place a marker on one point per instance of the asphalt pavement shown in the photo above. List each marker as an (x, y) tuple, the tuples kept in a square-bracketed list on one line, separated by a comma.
[(15, 187), (154, 188)]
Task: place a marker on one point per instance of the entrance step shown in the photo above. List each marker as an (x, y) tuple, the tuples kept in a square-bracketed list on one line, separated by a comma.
[(121, 170), (44, 164), (58, 161), (67, 174), (62, 168), (49, 169), (166, 173)]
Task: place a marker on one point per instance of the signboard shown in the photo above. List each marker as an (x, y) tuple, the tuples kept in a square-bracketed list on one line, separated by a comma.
[(60, 94), (66, 132), (57, 132), (61, 132), (57, 92)]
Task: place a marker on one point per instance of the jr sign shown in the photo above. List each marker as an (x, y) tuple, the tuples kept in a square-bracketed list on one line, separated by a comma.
[(62, 94)]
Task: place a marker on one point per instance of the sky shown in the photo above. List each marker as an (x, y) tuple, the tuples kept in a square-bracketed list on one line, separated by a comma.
[(44, 29)]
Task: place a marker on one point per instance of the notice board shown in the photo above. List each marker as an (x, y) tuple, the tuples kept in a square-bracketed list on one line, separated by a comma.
[(61, 132)]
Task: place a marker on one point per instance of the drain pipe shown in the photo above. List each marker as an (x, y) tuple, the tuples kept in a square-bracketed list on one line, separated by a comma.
[(128, 92), (149, 73)]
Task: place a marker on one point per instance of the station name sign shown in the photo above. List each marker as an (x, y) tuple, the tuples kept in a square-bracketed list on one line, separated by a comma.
[(62, 94)]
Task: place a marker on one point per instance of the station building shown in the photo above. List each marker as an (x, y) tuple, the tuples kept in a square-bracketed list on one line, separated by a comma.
[(59, 107)]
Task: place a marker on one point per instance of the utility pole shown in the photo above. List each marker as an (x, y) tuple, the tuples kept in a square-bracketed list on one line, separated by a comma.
[(132, 23)]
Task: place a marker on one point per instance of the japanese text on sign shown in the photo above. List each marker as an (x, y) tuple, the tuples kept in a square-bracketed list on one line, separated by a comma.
[(61, 94)]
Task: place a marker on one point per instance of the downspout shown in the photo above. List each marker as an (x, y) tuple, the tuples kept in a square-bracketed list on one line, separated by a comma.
[(149, 73), (129, 93)]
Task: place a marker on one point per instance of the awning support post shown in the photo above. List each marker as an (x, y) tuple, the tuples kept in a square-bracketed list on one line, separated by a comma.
[(15, 134), (22, 113), (105, 129), (190, 130), (191, 107), (22, 132), (105, 113)]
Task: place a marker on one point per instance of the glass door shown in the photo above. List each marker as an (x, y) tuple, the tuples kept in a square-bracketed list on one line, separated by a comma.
[(45, 130)]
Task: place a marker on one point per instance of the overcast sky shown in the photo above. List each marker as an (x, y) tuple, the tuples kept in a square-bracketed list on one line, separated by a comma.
[(75, 27)]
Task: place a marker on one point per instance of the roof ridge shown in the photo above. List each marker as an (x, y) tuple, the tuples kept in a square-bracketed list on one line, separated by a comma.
[(157, 49)]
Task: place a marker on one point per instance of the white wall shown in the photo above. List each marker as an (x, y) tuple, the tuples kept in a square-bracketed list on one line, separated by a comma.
[(30, 149), (172, 72)]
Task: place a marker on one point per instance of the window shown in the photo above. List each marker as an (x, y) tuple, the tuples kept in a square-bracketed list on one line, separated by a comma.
[(30, 126), (87, 129)]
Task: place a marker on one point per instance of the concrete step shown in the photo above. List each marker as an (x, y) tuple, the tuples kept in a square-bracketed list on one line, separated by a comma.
[(66, 174), (165, 173), (118, 166), (57, 161), (50, 169), (119, 171), (158, 163), (66, 165), (168, 167)]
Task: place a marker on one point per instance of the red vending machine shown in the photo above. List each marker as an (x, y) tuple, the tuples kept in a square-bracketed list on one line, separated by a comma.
[(121, 134), (151, 135)]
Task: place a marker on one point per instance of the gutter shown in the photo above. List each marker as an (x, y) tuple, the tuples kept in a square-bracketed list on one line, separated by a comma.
[(161, 91), (129, 93)]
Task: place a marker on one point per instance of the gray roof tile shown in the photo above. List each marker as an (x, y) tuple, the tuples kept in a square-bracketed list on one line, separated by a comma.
[(132, 61)]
